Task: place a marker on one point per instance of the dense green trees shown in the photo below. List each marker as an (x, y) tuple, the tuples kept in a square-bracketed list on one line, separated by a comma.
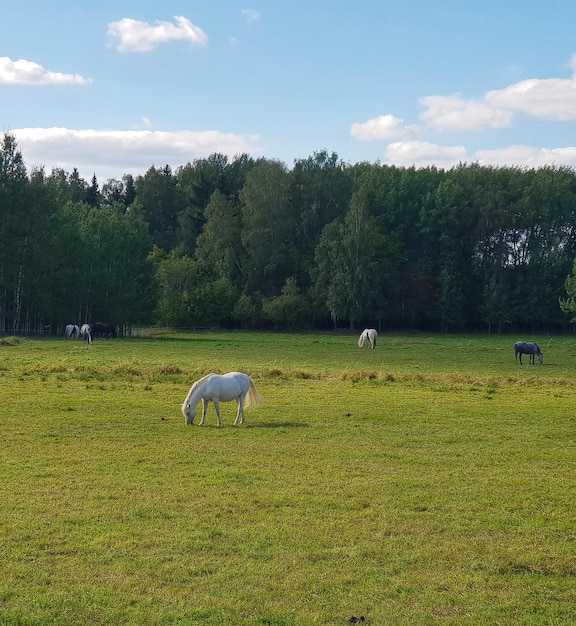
[(64, 259), (22, 224), (251, 243)]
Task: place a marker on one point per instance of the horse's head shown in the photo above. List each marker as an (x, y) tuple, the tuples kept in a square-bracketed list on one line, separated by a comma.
[(189, 412), (540, 356)]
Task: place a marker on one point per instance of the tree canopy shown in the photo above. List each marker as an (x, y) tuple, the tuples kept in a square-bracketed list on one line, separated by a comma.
[(251, 243)]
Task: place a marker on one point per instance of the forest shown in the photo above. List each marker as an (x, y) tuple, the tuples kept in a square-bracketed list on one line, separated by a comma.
[(251, 243)]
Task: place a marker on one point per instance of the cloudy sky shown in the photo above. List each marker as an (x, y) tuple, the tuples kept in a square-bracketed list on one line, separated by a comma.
[(115, 87)]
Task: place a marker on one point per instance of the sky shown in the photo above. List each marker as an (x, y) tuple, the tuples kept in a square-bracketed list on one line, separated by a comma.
[(115, 87)]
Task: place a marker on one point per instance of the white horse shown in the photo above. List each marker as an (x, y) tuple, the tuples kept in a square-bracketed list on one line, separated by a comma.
[(220, 388), (371, 335), (72, 330), (86, 332)]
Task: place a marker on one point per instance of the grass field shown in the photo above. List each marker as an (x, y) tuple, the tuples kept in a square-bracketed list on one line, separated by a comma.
[(429, 481)]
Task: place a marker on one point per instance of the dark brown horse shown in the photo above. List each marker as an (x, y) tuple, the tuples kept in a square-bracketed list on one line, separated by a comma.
[(99, 329)]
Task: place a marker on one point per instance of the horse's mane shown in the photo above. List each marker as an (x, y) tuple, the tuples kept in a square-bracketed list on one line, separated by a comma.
[(197, 384)]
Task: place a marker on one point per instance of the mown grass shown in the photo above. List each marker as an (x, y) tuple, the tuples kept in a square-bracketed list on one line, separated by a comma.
[(430, 481)]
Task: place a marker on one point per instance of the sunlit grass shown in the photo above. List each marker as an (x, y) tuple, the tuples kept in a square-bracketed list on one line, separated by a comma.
[(428, 481)]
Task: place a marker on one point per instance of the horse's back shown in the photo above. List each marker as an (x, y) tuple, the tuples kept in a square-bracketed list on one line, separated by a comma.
[(369, 334), (227, 386), (100, 329), (243, 380), (526, 347)]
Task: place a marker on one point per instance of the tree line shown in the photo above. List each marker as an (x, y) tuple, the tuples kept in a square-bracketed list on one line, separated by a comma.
[(250, 243)]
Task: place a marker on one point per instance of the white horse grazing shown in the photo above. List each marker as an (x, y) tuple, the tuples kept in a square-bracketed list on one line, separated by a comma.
[(86, 332), (72, 330), (220, 388), (371, 335)]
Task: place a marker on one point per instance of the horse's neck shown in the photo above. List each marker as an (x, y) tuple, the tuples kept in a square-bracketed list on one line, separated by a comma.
[(195, 393)]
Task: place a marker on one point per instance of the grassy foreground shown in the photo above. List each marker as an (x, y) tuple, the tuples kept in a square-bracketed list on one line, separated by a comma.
[(429, 481)]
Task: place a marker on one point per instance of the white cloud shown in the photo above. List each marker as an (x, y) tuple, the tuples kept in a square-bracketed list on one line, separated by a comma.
[(552, 98), (142, 124), (136, 36), (424, 154), (454, 113), (527, 156), (250, 15), (24, 72), (382, 127), (112, 153), (549, 99)]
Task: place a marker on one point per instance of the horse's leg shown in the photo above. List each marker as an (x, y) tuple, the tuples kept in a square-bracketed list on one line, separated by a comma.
[(240, 413), (217, 407), (204, 411)]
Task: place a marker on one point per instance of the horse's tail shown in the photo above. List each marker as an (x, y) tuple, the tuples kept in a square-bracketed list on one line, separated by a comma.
[(253, 398)]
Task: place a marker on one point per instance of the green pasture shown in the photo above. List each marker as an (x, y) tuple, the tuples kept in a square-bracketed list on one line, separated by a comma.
[(429, 481)]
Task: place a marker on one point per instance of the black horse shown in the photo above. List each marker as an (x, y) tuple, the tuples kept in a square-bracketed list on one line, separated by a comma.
[(527, 347), (99, 329)]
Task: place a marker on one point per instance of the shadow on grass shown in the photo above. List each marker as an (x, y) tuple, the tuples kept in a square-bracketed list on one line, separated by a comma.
[(276, 425), (252, 425)]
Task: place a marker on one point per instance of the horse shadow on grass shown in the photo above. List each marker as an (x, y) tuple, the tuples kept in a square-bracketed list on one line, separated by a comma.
[(254, 425), (276, 425)]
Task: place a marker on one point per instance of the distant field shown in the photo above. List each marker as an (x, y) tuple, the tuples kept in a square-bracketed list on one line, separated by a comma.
[(429, 481)]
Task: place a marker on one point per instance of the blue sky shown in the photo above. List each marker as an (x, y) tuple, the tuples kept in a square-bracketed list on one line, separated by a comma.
[(114, 87)]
